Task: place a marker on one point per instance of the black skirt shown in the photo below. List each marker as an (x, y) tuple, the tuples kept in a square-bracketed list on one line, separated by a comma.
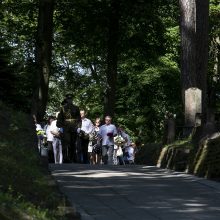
[(97, 149)]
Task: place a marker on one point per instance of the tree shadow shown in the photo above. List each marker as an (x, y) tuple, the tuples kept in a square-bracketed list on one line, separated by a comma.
[(130, 192)]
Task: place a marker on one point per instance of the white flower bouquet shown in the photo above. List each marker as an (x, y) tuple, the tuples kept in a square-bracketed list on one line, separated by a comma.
[(119, 140)]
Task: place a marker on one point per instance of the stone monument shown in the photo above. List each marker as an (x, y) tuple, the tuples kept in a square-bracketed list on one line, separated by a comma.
[(193, 107)]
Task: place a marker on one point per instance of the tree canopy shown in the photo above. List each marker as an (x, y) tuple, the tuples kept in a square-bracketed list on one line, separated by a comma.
[(147, 65)]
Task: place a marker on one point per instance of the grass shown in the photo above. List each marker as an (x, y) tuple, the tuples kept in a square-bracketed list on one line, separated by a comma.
[(184, 143), (25, 189)]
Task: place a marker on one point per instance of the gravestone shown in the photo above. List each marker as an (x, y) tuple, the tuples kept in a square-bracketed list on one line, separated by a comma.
[(193, 105)]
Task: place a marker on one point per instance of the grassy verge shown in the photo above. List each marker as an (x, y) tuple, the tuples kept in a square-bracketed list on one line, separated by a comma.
[(26, 191)]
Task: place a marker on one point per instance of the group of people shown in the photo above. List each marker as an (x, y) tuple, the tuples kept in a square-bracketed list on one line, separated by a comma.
[(72, 137)]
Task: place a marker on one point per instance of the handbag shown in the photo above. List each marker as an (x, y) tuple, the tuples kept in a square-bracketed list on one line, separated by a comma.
[(119, 152)]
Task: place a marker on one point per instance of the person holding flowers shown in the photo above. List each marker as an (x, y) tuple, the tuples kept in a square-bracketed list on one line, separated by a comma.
[(119, 141), (107, 132)]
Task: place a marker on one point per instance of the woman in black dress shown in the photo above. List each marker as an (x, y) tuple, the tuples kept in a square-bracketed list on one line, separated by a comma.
[(96, 143)]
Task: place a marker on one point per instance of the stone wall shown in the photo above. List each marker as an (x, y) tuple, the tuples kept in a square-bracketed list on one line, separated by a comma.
[(203, 161), (175, 157), (207, 159)]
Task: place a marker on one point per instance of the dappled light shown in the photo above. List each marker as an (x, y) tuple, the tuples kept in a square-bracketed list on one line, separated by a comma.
[(151, 193), (120, 100)]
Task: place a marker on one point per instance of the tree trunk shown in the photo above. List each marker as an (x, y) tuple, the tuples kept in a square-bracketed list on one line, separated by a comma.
[(188, 44), (112, 60), (194, 55), (202, 18), (43, 57)]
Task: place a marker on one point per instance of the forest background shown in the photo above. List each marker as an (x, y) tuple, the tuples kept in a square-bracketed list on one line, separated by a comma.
[(92, 38)]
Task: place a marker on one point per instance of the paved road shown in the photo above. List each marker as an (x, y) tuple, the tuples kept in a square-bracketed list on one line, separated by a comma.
[(137, 193)]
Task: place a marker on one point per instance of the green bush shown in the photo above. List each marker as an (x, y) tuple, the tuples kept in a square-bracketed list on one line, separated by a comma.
[(25, 189), (148, 154)]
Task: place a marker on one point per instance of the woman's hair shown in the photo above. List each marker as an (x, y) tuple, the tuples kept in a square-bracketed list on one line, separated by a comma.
[(98, 119)]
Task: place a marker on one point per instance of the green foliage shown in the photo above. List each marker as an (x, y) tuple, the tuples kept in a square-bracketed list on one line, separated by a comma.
[(6, 77), (214, 55), (148, 73), (214, 15), (15, 80), (148, 58), (16, 208), (148, 45), (148, 154), (24, 183), (17, 30), (144, 97)]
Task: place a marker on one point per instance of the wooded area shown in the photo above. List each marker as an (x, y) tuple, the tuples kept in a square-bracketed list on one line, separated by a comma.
[(130, 59)]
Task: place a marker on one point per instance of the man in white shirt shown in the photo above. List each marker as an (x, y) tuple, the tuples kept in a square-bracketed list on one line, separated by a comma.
[(86, 128), (107, 132)]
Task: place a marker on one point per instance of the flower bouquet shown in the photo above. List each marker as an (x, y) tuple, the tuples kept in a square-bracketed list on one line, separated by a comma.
[(41, 134), (110, 134), (119, 140), (84, 135), (93, 136)]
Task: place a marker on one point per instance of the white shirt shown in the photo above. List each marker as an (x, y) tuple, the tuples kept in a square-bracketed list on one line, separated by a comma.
[(53, 126), (130, 151), (48, 133), (38, 127), (97, 129), (104, 130), (87, 126)]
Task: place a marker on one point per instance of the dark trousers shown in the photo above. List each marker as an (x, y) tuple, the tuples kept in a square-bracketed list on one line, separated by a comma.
[(50, 152), (69, 147), (107, 154), (84, 150)]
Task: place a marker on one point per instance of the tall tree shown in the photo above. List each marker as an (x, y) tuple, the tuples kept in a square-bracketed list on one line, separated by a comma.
[(43, 57), (112, 59), (194, 50), (202, 30)]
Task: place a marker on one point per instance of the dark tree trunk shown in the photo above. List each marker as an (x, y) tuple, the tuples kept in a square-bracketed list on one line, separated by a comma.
[(188, 44), (202, 18), (43, 57), (194, 53), (112, 60)]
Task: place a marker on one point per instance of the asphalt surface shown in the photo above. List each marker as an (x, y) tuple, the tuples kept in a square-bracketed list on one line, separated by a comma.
[(103, 192)]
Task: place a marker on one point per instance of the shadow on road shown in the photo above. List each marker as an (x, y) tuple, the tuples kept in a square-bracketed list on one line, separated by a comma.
[(136, 192)]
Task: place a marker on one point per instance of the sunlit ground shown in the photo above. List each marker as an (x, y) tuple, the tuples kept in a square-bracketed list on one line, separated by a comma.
[(131, 192)]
